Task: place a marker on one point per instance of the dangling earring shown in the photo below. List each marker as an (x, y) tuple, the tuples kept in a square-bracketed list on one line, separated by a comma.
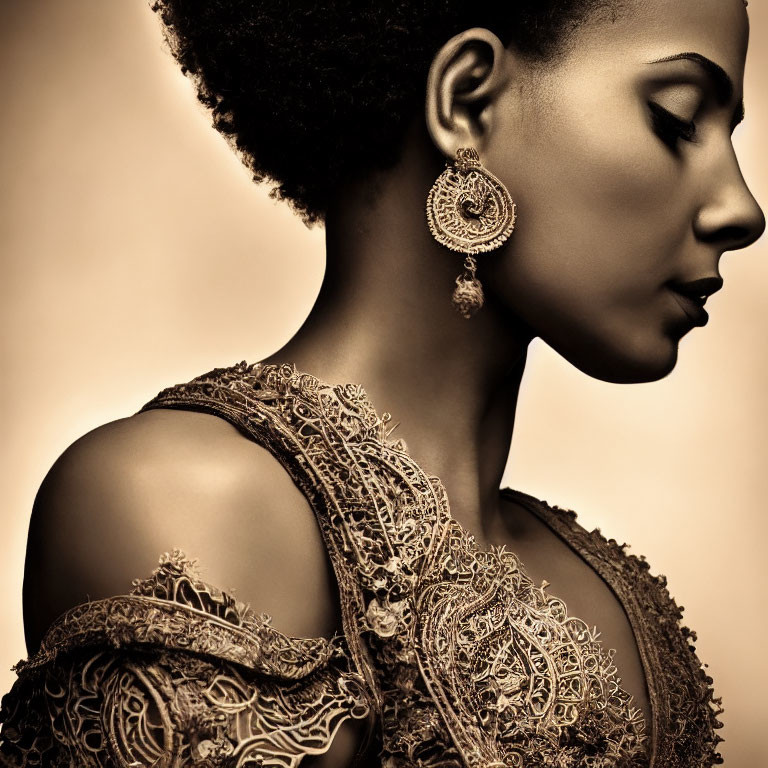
[(470, 211)]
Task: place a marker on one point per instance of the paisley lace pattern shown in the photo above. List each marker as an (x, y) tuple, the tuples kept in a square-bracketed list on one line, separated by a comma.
[(461, 657), (199, 680)]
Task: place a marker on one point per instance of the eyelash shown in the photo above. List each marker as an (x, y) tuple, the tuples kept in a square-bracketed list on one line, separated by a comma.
[(669, 127)]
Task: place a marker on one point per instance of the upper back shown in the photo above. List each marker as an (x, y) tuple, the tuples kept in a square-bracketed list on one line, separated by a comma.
[(163, 479)]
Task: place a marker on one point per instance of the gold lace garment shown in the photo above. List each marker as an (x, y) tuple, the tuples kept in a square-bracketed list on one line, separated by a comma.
[(456, 655)]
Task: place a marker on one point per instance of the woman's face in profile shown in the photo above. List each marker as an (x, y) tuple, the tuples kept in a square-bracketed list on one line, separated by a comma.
[(626, 183)]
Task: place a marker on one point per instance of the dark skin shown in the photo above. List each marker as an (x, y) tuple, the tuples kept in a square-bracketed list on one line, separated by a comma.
[(610, 211)]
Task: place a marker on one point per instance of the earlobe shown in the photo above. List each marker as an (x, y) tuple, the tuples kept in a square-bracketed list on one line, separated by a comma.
[(465, 76)]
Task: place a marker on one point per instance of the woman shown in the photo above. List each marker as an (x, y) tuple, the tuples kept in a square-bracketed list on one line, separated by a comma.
[(609, 129)]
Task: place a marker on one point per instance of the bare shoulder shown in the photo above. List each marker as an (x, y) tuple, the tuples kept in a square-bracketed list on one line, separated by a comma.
[(134, 488)]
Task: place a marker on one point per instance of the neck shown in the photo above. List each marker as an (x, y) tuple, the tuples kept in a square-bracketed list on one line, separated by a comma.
[(384, 320)]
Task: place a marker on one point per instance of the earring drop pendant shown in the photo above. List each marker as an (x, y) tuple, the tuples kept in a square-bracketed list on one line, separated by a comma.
[(468, 294)]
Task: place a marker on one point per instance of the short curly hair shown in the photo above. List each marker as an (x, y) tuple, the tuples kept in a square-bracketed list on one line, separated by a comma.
[(310, 94)]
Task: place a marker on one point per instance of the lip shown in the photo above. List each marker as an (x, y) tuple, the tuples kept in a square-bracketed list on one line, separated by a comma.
[(695, 312)]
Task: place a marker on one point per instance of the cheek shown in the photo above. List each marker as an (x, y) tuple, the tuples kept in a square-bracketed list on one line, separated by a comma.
[(600, 223)]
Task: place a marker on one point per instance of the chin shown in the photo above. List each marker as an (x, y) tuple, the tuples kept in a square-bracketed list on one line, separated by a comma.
[(633, 363)]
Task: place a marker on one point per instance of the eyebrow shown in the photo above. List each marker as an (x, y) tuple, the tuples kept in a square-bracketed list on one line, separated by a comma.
[(717, 75)]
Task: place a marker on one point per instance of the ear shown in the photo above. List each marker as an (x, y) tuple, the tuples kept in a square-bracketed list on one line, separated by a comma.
[(466, 75)]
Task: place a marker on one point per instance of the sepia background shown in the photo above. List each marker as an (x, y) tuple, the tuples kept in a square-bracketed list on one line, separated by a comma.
[(136, 253)]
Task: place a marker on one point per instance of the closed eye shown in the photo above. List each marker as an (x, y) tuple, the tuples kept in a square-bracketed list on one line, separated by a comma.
[(669, 127)]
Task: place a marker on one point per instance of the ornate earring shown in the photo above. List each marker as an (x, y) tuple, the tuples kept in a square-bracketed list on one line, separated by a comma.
[(470, 211)]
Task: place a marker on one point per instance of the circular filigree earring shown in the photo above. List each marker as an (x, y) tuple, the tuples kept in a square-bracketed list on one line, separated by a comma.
[(470, 211)]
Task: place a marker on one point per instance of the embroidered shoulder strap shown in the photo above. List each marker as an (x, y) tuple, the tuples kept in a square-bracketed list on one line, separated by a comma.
[(384, 522), (375, 507)]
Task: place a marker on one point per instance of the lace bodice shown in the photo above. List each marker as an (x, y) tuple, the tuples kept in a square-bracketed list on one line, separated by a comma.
[(452, 650)]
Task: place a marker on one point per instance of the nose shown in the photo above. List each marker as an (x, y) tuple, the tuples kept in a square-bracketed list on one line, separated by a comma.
[(731, 217)]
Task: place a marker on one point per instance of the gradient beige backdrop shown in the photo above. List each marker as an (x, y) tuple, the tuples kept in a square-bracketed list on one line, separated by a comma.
[(136, 253)]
